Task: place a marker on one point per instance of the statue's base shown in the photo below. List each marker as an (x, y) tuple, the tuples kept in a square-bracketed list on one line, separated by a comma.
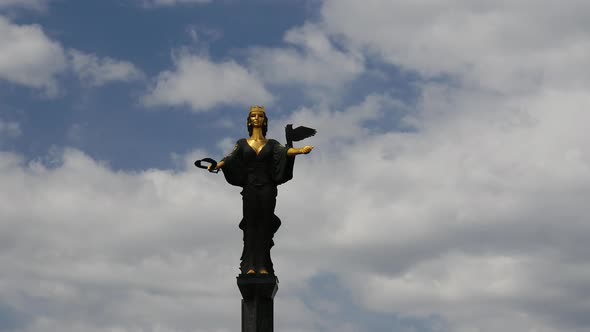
[(258, 293)]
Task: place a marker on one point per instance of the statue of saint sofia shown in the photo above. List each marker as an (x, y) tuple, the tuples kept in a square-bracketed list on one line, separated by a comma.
[(259, 165)]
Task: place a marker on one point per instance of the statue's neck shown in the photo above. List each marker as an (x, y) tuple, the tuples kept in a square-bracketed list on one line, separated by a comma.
[(257, 134)]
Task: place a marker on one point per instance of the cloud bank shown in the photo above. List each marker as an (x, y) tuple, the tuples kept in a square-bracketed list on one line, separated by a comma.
[(97, 71), (310, 59), (463, 218), (29, 58), (202, 84)]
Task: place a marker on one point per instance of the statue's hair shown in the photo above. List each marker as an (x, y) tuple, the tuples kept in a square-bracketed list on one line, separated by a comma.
[(264, 124)]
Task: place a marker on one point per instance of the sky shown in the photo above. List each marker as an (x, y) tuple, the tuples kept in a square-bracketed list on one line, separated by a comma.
[(447, 190)]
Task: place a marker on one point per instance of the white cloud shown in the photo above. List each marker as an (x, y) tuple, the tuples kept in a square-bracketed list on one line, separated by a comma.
[(507, 46), (90, 239), (202, 84), (471, 214), (486, 202), (310, 59), (28, 57), (97, 71)]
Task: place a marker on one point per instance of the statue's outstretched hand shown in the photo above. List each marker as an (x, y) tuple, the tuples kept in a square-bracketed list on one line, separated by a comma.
[(306, 149), (210, 168)]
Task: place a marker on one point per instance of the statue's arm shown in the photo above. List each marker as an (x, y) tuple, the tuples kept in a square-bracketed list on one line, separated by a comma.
[(222, 162), (304, 150)]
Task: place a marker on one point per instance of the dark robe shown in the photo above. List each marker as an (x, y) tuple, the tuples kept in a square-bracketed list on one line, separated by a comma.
[(258, 175)]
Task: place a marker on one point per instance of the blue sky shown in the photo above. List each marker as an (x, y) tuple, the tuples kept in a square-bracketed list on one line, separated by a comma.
[(109, 121), (446, 190), (146, 38)]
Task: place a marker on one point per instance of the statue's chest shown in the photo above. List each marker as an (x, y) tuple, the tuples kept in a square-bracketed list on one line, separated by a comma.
[(257, 153), (256, 145)]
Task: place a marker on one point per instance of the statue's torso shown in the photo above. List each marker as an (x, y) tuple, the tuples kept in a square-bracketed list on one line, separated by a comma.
[(258, 163), (270, 166)]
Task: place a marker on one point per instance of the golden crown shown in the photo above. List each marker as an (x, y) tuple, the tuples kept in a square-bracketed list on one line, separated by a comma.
[(257, 108)]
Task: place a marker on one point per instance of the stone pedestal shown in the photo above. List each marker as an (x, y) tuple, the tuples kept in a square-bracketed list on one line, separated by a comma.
[(258, 293)]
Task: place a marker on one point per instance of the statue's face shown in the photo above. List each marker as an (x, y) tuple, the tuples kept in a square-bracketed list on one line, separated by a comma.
[(257, 119)]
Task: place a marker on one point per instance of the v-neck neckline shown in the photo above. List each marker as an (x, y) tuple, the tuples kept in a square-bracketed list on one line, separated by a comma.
[(253, 149)]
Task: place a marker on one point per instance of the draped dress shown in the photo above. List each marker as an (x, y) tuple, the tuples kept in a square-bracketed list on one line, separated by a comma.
[(258, 175)]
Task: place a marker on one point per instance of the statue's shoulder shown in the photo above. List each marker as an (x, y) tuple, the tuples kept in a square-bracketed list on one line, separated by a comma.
[(272, 141)]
